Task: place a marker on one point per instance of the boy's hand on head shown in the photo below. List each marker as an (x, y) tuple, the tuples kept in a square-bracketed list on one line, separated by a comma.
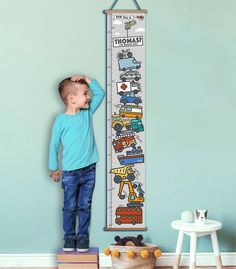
[(79, 77), (55, 175)]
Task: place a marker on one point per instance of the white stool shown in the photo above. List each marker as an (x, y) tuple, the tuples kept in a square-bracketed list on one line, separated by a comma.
[(194, 231)]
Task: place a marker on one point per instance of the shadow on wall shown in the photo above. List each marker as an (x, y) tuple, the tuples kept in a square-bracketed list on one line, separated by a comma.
[(227, 235)]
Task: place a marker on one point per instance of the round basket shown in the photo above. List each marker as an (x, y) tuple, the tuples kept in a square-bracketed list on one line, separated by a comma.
[(123, 262)]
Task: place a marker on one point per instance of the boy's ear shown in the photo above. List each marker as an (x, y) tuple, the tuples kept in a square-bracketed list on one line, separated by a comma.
[(71, 98)]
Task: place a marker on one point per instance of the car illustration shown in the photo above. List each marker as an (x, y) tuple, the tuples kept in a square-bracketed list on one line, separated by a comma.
[(130, 75), (130, 98)]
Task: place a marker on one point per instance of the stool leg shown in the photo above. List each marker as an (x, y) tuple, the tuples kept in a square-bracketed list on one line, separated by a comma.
[(178, 249), (215, 246), (193, 248)]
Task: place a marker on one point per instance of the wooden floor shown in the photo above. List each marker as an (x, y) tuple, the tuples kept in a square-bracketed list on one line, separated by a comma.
[(198, 267), (160, 267)]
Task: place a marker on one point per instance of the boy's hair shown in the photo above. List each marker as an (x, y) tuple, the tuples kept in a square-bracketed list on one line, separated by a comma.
[(65, 87)]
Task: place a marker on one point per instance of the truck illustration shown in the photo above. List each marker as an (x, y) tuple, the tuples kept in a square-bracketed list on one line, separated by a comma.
[(128, 64), (124, 172), (137, 125), (123, 142)]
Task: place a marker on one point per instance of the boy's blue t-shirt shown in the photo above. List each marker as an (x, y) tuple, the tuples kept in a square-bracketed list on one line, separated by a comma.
[(75, 133)]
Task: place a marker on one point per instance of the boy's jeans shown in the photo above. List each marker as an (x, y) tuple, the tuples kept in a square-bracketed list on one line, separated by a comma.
[(78, 188)]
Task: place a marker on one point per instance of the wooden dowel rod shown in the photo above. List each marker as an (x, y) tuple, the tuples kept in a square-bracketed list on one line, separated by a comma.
[(109, 11)]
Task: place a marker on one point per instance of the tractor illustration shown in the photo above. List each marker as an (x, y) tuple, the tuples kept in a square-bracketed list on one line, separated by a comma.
[(119, 123)]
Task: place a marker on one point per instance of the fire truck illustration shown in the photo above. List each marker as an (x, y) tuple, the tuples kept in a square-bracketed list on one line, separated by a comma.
[(126, 215), (124, 142)]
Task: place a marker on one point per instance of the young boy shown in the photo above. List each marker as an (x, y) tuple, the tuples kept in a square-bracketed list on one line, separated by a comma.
[(74, 130)]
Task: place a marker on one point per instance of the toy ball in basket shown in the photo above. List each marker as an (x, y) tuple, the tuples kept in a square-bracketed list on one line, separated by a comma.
[(129, 252)]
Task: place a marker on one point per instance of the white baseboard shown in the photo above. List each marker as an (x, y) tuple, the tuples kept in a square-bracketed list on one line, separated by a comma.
[(167, 259)]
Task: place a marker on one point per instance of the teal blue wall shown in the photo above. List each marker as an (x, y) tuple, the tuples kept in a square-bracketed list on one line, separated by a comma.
[(190, 112)]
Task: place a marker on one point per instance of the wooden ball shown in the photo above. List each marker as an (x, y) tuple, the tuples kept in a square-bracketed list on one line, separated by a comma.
[(115, 253), (144, 254), (157, 253), (106, 251), (130, 254)]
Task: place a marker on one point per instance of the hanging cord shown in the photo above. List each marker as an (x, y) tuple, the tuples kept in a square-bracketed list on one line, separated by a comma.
[(135, 2)]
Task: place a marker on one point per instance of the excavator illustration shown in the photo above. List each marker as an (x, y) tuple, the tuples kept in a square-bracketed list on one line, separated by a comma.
[(133, 199), (124, 175)]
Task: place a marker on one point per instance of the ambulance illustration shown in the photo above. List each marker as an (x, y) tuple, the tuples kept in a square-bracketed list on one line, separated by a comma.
[(127, 87)]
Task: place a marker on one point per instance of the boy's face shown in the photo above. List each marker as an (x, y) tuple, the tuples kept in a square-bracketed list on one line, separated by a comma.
[(81, 99)]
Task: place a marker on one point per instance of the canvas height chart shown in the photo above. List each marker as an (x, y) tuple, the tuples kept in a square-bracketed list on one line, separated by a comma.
[(125, 120)]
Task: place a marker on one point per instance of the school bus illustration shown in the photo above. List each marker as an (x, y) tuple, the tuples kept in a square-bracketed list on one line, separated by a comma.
[(132, 215), (131, 111)]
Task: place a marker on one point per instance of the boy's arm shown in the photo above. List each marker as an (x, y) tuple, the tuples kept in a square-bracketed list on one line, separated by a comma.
[(98, 95), (54, 145)]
